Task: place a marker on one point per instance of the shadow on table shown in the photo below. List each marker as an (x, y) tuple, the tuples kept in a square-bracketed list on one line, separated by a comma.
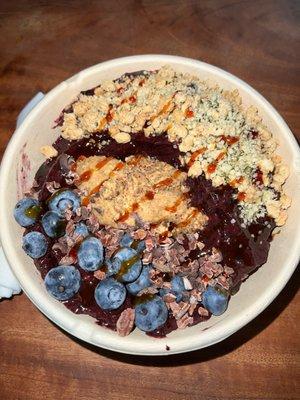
[(217, 350)]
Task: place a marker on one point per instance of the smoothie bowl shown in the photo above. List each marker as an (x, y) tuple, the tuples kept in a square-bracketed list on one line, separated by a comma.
[(147, 193)]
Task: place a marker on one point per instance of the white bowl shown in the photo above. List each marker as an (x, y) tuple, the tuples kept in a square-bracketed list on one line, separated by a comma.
[(255, 294)]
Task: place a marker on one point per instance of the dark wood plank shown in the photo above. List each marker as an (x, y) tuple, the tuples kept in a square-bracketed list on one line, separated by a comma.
[(42, 43)]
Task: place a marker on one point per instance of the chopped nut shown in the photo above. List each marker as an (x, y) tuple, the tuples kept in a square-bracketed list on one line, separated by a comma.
[(49, 151), (122, 137), (125, 322), (99, 274), (187, 283), (203, 312), (180, 309), (184, 321)]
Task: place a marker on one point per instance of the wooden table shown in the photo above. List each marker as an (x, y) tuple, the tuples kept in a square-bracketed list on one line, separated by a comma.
[(42, 43)]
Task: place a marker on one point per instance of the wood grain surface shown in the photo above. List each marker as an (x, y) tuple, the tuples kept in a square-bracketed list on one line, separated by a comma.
[(45, 42)]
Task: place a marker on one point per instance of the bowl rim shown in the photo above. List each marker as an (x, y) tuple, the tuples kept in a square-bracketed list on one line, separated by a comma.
[(217, 332)]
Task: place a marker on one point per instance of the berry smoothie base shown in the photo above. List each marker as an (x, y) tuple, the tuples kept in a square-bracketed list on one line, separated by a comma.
[(217, 203)]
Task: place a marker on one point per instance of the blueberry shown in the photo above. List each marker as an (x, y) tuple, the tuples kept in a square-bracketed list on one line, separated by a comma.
[(151, 314), (110, 294), (126, 240), (109, 267), (81, 229), (63, 200), (215, 300), (90, 254), (53, 225), (177, 287), (35, 244), (63, 282), (139, 247), (127, 264), (142, 282), (27, 211)]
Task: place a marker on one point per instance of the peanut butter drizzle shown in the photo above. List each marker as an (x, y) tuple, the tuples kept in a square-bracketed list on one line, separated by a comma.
[(86, 200), (95, 189), (135, 160), (167, 181), (163, 235), (108, 118), (188, 219), (195, 155), (230, 140), (162, 111), (85, 176), (131, 99), (118, 167), (125, 216), (241, 196), (103, 162), (235, 182), (189, 113), (212, 167), (174, 207), (149, 195), (101, 124), (99, 165), (181, 224), (110, 115)]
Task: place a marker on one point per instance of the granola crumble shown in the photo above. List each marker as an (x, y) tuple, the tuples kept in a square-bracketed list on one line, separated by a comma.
[(228, 144)]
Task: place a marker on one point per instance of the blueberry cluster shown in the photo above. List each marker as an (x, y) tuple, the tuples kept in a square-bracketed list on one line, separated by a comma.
[(27, 212), (125, 272)]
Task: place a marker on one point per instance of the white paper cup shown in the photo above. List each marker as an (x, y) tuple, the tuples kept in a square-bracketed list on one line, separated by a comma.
[(36, 130)]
